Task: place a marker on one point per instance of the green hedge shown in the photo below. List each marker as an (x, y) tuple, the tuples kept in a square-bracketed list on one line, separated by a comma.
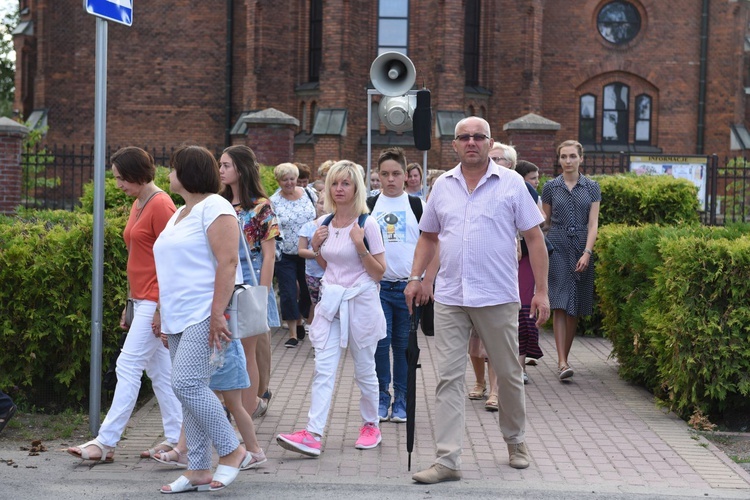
[(635, 200), (644, 199), (45, 289), (45, 292), (647, 199), (115, 198), (701, 332), (674, 306)]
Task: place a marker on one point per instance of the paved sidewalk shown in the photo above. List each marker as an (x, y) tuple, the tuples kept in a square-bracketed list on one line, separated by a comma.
[(594, 436)]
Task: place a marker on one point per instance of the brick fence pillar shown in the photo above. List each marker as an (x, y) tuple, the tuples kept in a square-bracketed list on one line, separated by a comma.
[(12, 135), (270, 134), (534, 138)]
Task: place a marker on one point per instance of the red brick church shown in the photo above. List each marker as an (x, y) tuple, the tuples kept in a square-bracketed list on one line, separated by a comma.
[(290, 77)]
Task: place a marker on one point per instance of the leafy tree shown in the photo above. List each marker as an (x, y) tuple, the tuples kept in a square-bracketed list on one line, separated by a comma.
[(7, 62)]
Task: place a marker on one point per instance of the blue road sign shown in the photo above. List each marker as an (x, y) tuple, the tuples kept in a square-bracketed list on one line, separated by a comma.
[(119, 11)]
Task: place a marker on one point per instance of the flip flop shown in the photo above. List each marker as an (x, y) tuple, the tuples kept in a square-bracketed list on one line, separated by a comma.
[(182, 485), (163, 458), (107, 452), (225, 474)]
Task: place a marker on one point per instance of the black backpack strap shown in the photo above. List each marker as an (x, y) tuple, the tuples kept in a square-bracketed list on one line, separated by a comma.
[(371, 201), (361, 221), (327, 220), (416, 206), (307, 192)]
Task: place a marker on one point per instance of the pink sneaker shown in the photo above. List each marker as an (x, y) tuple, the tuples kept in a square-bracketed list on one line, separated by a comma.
[(301, 442), (369, 437)]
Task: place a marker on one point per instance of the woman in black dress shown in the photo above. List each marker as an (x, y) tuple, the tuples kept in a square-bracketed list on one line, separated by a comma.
[(571, 206)]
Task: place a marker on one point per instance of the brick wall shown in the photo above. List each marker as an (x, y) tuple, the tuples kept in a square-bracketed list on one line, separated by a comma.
[(272, 145), (12, 135), (167, 73)]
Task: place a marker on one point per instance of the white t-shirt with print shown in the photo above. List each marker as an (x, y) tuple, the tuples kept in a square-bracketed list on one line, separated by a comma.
[(312, 268), (400, 230)]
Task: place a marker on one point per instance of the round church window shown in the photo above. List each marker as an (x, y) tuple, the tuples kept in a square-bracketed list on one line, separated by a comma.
[(619, 22)]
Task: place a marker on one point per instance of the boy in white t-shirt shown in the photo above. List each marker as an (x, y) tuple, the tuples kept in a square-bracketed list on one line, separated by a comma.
[(398, 215), (313, 271)]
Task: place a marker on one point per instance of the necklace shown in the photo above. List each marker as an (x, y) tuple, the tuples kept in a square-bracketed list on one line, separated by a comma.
[(337, 229), (143, 205)]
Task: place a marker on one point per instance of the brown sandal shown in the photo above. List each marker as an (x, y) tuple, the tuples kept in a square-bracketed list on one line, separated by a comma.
[(491, 404), (478, 392)]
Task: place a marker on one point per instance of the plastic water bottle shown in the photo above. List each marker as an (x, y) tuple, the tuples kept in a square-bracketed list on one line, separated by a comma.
[(218, 356)]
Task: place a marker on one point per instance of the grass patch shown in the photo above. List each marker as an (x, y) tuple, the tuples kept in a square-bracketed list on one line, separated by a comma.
[(34, 425)]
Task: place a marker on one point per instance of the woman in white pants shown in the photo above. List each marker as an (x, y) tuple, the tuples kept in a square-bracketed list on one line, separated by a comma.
[(349, 314), (134, 171)]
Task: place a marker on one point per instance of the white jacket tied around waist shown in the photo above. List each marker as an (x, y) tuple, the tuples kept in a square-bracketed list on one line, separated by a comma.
[(358, 309)]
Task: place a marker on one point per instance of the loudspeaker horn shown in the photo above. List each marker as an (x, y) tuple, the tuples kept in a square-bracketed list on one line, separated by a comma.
[(396, 112), (393, 74)]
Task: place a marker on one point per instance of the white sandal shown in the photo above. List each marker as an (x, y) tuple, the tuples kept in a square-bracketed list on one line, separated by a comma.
[(158, 449), (160, 457), (183, 484), (107, 452), (225, 474)]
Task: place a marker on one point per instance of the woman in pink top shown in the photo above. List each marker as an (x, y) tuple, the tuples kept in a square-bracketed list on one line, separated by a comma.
[(354, 261)]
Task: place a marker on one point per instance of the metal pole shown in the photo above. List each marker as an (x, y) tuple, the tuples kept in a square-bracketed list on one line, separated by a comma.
[(97, 280), (370, 93), (424, 173)]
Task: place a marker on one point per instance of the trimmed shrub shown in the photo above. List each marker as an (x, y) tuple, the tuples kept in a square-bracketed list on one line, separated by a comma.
[(45, 289), (701, 332), (647, 199), (647, 301), (268, 179), (115, 198)]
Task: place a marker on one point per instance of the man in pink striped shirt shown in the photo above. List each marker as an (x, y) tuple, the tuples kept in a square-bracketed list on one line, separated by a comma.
[(472, 216)]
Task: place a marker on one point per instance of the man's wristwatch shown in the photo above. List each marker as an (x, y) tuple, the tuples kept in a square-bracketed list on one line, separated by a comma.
[(414, 278)]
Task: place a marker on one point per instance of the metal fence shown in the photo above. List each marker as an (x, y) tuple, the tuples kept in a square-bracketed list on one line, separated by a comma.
[(727, 182), (54, 176)]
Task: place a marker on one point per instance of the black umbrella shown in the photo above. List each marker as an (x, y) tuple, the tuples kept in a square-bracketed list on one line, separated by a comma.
[(412, 360)]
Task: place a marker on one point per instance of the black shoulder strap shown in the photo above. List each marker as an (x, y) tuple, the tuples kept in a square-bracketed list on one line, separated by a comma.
[(416, 206), (361, 221), (307, 192), (371, 201)]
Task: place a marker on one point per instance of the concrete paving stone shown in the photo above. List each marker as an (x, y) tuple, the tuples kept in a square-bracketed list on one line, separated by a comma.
[(596, 430)]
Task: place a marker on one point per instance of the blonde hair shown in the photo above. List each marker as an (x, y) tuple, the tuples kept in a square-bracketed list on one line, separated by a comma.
[(324, 167), (338, 171), (284, 169), (509, 152), (568, 143)]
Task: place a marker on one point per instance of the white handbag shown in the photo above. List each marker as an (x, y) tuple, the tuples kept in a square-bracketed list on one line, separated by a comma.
[(247, 313)]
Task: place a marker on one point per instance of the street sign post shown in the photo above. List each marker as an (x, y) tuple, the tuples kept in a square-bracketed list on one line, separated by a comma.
[(118, 11)]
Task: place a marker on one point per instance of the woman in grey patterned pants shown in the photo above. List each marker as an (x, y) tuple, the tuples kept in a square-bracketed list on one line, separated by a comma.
[(196, 265)]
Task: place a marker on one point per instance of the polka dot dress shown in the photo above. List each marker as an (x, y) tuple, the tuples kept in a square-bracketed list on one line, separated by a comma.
[(569, 290)]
